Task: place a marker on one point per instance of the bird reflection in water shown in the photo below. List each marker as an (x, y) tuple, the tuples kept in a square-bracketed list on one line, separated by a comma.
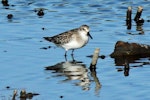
[(73, 70)]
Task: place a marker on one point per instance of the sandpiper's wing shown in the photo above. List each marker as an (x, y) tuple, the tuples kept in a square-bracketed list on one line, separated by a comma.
[(62, 38)]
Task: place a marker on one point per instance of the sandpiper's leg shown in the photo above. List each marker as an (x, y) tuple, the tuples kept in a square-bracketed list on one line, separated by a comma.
[(72, 52), (73, 58), (65, 58), (65, 53)]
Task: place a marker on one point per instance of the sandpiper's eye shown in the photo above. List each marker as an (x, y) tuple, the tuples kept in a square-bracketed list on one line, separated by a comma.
[(84, 29)]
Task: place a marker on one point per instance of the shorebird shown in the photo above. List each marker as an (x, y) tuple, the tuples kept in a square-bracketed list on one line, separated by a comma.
[(72, 39)]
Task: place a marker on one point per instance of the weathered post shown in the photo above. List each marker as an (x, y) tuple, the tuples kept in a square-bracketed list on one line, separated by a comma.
[(129, 18), (95, 58)]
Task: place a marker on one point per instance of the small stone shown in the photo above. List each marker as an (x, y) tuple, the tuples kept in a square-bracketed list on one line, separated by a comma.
[(7, 87), (9, 16), (61, 96), (40, 12), (43, 28), (5, 2)]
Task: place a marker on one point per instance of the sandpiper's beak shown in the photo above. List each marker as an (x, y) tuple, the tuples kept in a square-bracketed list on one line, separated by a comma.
[(90, 35)]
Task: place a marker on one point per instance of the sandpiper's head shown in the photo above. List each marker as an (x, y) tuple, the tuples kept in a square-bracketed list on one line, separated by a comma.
[(86, 29)]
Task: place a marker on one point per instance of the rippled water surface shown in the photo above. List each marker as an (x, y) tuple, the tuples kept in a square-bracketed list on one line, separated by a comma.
[(30, 63)]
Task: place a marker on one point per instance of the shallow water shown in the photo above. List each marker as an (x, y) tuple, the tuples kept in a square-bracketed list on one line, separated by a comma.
[(23, 57)]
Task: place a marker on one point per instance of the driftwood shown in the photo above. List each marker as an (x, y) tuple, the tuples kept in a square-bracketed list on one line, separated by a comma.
[(125, 49)]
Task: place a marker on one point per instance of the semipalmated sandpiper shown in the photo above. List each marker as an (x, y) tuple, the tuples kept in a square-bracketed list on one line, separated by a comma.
[(72, 39)]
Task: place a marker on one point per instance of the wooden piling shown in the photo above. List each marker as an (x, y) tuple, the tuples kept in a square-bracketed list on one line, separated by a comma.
[(95, 58), (138, 14), (129, 17)]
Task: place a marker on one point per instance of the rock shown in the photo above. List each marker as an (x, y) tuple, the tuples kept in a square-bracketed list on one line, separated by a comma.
[(5, 2), (10, 16), (125, 49), (40, 12)]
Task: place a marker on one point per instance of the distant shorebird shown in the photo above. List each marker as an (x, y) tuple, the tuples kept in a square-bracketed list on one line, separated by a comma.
[(72, 39)]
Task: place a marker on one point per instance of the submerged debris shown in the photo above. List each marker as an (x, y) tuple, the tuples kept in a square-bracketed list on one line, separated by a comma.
[(7, 87), (40, 12), (24, 95), (45, 48), (10, 16), (43, 28), (5, 2), (100, 56), (61, 96)]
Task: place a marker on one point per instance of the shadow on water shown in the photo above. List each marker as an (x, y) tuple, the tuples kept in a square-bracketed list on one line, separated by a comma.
[(128, 63), (75, 70)]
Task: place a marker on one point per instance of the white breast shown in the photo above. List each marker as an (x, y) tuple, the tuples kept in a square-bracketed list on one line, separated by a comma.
[(76, 42)]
